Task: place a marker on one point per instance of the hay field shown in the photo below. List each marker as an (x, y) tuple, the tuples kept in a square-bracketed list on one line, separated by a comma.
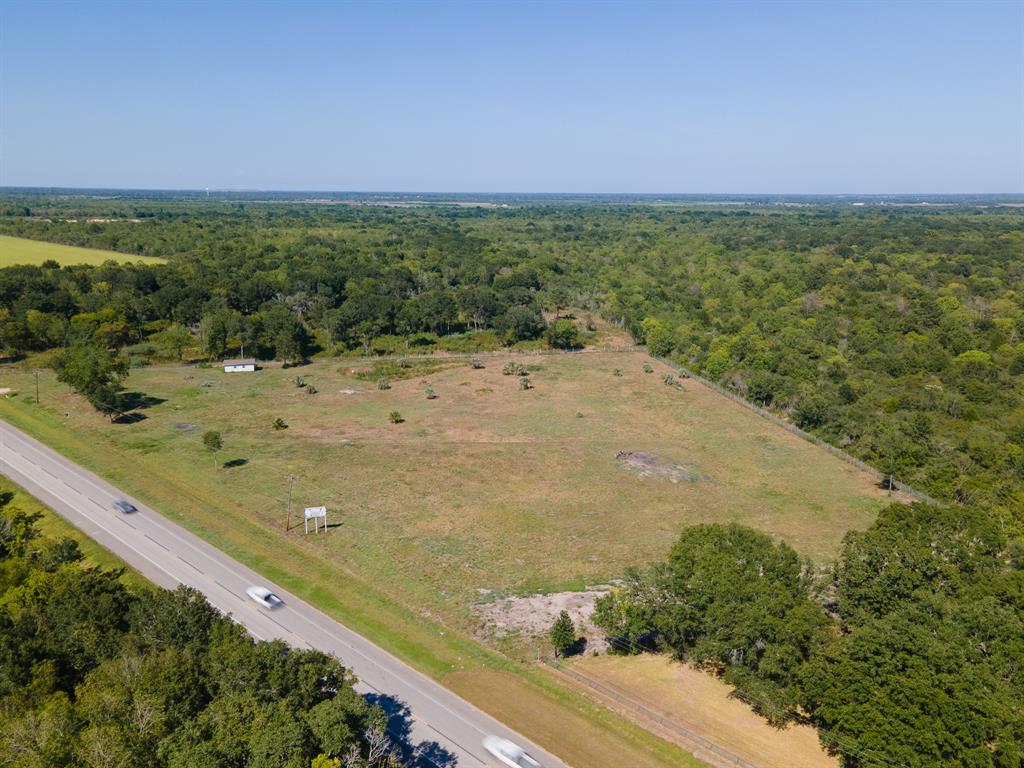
[(18, 250)]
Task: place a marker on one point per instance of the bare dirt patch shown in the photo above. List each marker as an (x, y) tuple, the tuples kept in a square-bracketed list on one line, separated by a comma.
[(646, 465), (533, 615)]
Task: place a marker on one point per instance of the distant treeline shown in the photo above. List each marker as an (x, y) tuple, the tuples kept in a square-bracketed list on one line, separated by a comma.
[(894, 333)]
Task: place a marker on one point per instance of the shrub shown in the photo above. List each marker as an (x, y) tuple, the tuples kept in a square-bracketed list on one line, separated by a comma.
[(213, 443), (279, 423), (431, 394), (563, 634), (477, 363), (383, 384), (310, 389), (513, 368), (298, 382), (524, 383), (395, 417), (563, 334), (617, 372), (648, 368), (471, 341), (669, 379), (389, 344)]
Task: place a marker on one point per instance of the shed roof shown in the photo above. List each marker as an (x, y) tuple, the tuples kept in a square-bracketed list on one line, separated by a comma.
[(241, 361)]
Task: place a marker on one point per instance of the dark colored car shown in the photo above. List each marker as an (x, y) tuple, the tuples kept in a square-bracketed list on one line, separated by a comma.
[(124, 506)]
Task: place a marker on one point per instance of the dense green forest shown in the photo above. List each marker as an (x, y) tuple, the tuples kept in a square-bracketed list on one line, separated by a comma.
[(896, 334), (907, 654), (93, 674)]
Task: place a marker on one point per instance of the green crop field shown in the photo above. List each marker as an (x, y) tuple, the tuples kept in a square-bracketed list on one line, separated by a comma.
[(18, 250), (484, 490)]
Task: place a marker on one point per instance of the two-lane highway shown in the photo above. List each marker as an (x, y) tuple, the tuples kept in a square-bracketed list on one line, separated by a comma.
[(169, 555)]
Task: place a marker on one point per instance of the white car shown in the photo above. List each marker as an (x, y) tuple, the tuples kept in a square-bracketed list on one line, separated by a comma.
[(264, 597), (509, 753)]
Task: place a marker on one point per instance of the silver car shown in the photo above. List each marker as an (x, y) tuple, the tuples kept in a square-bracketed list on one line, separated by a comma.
[(264, 597), (509, 753)]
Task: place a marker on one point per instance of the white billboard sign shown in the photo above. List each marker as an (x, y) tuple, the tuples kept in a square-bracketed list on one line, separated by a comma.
[(316, 514)]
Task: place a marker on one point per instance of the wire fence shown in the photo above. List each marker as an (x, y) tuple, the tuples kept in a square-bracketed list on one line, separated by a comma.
[(443, 355), (881, 477), (720, 755)]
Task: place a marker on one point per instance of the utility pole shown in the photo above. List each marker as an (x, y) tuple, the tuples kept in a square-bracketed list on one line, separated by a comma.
[(288, 517), (37, 386)]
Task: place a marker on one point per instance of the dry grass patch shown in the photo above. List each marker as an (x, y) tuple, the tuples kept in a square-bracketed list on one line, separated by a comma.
[(578, 735), (701, 703)]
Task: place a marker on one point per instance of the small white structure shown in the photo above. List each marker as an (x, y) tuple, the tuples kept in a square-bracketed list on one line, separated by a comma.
[(246, 364), (316, 514)]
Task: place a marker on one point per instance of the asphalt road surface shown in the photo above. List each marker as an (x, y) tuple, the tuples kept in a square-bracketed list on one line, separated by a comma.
[(446, 729)]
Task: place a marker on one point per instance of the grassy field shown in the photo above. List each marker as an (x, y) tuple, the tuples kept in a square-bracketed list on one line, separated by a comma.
[(17, 250), (486, 490)]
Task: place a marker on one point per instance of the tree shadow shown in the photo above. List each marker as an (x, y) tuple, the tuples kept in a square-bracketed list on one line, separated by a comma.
[(430, 754), (425, 754), (888, 483), (134, 401), (578, 647), (235, 463), (129, 418)]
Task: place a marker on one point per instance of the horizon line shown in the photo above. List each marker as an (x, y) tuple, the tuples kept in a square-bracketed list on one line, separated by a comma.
[(257, 190)]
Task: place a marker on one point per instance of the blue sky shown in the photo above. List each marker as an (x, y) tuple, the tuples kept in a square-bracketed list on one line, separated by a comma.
[(544, 97)]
